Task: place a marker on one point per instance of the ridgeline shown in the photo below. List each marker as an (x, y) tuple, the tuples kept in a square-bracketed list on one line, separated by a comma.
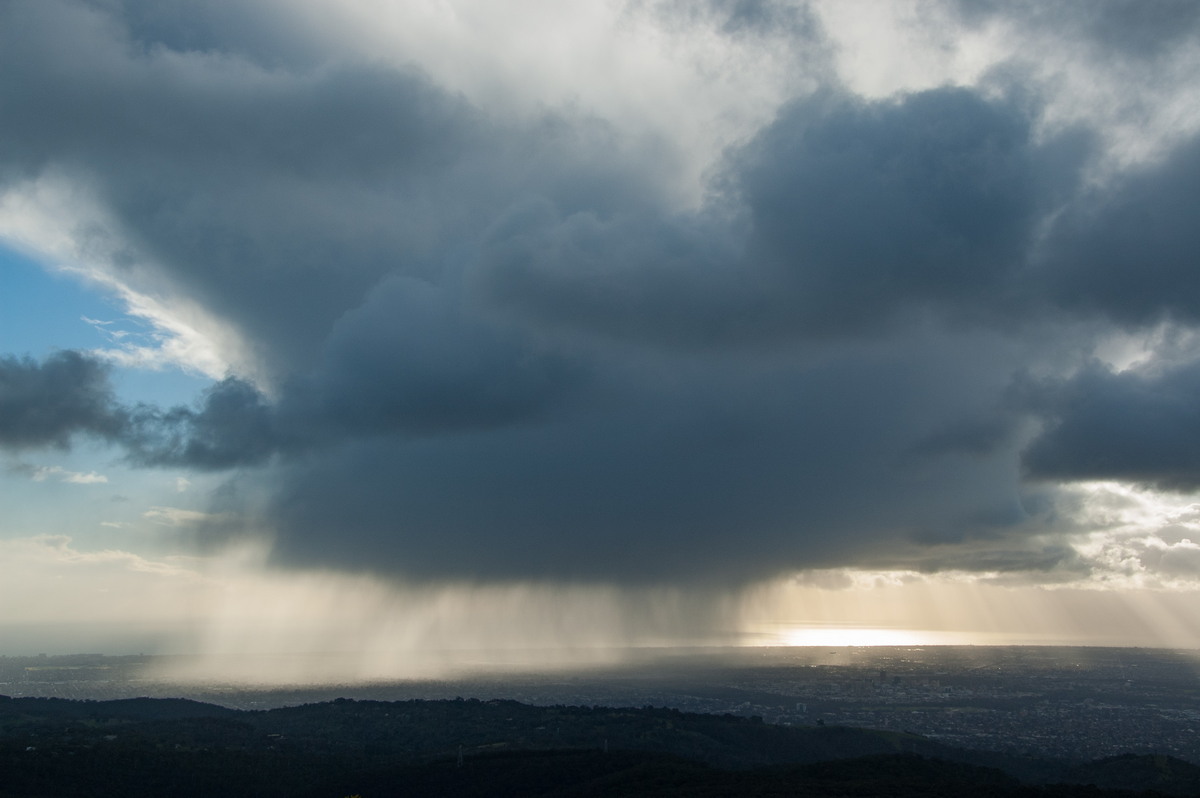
[(155, 747)]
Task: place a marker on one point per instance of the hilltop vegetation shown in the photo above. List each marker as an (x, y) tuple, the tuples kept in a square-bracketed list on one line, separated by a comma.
[(153, 747)]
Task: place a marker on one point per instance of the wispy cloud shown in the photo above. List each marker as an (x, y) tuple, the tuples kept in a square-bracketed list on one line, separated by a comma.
[(175, 516), (76, 477), (43, 473)]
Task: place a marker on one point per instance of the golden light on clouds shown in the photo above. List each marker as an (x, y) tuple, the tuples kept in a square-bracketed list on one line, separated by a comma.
[(234, 612)]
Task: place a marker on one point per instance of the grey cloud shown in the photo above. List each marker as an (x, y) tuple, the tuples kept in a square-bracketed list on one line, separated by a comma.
[(145, 104), (768, 16), (1124, 254), (970, 437), (757, 18), (68, 395), (413, 358), (1177, 561), (499, 351), (664, 471), (411, 364), (251, 31), (1138, 28), (1133, 29), (844, 217), (1125, 426), (1150, 556), (1050, 563), (841, 217), (1129, 252), (234, 426), (865, 207), (627, 277), (279, 198), (46, 404)]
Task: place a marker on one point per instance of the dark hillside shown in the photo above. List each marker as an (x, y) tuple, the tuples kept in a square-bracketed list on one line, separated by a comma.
[(1162, 773), (375, 749)]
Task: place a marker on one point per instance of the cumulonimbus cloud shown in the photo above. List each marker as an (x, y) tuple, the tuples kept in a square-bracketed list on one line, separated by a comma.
[(498, 344)]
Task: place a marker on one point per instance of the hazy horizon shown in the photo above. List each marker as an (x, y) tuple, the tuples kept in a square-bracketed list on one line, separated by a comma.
[(407, 328)]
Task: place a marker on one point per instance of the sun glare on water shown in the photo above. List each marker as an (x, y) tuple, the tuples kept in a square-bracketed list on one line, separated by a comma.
[(835, 636), (849, 636)]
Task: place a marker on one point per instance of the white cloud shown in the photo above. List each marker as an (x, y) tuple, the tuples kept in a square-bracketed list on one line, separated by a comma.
[(175, 516), (90, 478), (42, 473), (48, 580), (850, 608), (57, 222), (660, 72), (906, 46)]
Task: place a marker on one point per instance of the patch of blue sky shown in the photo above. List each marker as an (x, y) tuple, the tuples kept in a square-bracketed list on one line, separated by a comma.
[(39, 499), (43, 310), (88, 494)]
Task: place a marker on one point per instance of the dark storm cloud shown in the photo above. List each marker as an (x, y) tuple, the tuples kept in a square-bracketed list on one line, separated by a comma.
[(496, 349), (1125, 426), (675, 281), (1138, 28), (233, 427), (1129, 252), (839, 218), (412, 359), (1134, 29), (68, 395), (719, 467), (1054, 562), (276, 198), (1126, 254), (972, 437), (251, 31), (45, 404), (758, 18), (866, 207)]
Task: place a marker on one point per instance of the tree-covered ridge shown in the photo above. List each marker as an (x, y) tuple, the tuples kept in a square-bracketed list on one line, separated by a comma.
[(471, 747)]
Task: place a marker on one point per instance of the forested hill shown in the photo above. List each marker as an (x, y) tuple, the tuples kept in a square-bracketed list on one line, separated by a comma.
[(55, 747)]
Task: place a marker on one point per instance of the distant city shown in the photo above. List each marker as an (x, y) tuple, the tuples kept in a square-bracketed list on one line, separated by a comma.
[(1048, 701)]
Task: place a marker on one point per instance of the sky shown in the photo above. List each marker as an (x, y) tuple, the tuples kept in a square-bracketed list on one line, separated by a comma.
[(404, 330)]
